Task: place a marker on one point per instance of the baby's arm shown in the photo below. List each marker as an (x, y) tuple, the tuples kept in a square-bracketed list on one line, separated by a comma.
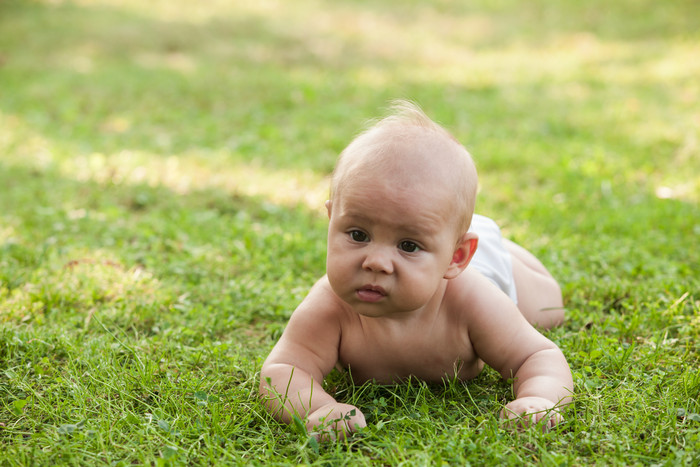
[(292, 375), (542, 384), (504, 339)]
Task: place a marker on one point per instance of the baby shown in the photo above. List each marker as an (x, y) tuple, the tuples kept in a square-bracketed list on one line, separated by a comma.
[(398, 299)]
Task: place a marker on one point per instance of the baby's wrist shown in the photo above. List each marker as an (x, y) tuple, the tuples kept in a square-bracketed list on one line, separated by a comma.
[(535, 400)]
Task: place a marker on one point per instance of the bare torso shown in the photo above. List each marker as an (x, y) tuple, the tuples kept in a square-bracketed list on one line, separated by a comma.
[(430, 347)]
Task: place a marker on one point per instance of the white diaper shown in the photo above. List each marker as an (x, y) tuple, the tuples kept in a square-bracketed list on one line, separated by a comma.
[(492, 259)]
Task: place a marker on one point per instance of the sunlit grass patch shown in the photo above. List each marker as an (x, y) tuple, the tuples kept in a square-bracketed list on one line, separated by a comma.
[(80, 284), (190, 172)]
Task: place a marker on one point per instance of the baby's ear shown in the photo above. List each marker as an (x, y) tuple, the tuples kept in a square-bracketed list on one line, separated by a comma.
[(329, 205), (466, 247)]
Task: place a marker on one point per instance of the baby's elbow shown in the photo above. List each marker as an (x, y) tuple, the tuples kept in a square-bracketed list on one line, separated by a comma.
[(265, 382), (270, 371), (270, 374)]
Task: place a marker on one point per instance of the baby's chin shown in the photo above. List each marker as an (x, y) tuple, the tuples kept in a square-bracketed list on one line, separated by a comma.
[(378, 310)]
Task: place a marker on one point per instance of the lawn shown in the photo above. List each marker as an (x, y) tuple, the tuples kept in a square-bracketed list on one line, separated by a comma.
[(163, 168)]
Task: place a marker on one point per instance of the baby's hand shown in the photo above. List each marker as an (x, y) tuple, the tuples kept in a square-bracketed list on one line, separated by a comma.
[(334, 420), (528, 411)]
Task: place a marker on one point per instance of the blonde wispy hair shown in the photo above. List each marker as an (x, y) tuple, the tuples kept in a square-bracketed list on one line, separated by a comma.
[(408, 126)]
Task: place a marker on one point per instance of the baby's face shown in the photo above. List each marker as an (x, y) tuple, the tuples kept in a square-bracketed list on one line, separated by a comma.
[(389, 244)]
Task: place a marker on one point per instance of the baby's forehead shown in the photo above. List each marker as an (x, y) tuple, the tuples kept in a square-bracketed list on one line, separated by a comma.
[(406, 208), (403, 182), (399, 148)]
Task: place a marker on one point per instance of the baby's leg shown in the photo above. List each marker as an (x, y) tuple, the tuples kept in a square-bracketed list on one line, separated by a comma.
[(539, 295)]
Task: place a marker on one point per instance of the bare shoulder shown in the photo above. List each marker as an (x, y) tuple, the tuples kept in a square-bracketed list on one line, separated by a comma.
[(499, 333), (320, 303), (473, 297), (318, 316), (311, 337)]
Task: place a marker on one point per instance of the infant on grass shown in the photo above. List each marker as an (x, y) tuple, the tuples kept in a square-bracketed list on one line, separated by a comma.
[(400, 298)]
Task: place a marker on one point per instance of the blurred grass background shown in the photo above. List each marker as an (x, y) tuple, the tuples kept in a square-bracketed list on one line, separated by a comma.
[(163, 167)]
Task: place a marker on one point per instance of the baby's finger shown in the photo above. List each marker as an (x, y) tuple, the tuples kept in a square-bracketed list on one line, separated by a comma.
[(546, 419), (336, 425)]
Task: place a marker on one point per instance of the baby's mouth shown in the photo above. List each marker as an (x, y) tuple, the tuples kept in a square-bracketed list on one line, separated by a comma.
[(371, 293)]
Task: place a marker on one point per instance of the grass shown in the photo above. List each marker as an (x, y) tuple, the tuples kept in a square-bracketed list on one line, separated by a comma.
[(163, 167)]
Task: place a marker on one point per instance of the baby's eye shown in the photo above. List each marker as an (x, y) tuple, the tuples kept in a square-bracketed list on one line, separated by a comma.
[(358, 236), (408, 246)]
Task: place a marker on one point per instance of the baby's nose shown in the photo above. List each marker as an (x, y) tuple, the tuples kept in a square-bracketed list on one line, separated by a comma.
[(378, 260)]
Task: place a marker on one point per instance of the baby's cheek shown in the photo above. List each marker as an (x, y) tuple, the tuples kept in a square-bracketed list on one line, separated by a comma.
[(418, 293)]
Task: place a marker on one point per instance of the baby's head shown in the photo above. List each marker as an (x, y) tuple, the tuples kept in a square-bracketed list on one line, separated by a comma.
[(410, 152)]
